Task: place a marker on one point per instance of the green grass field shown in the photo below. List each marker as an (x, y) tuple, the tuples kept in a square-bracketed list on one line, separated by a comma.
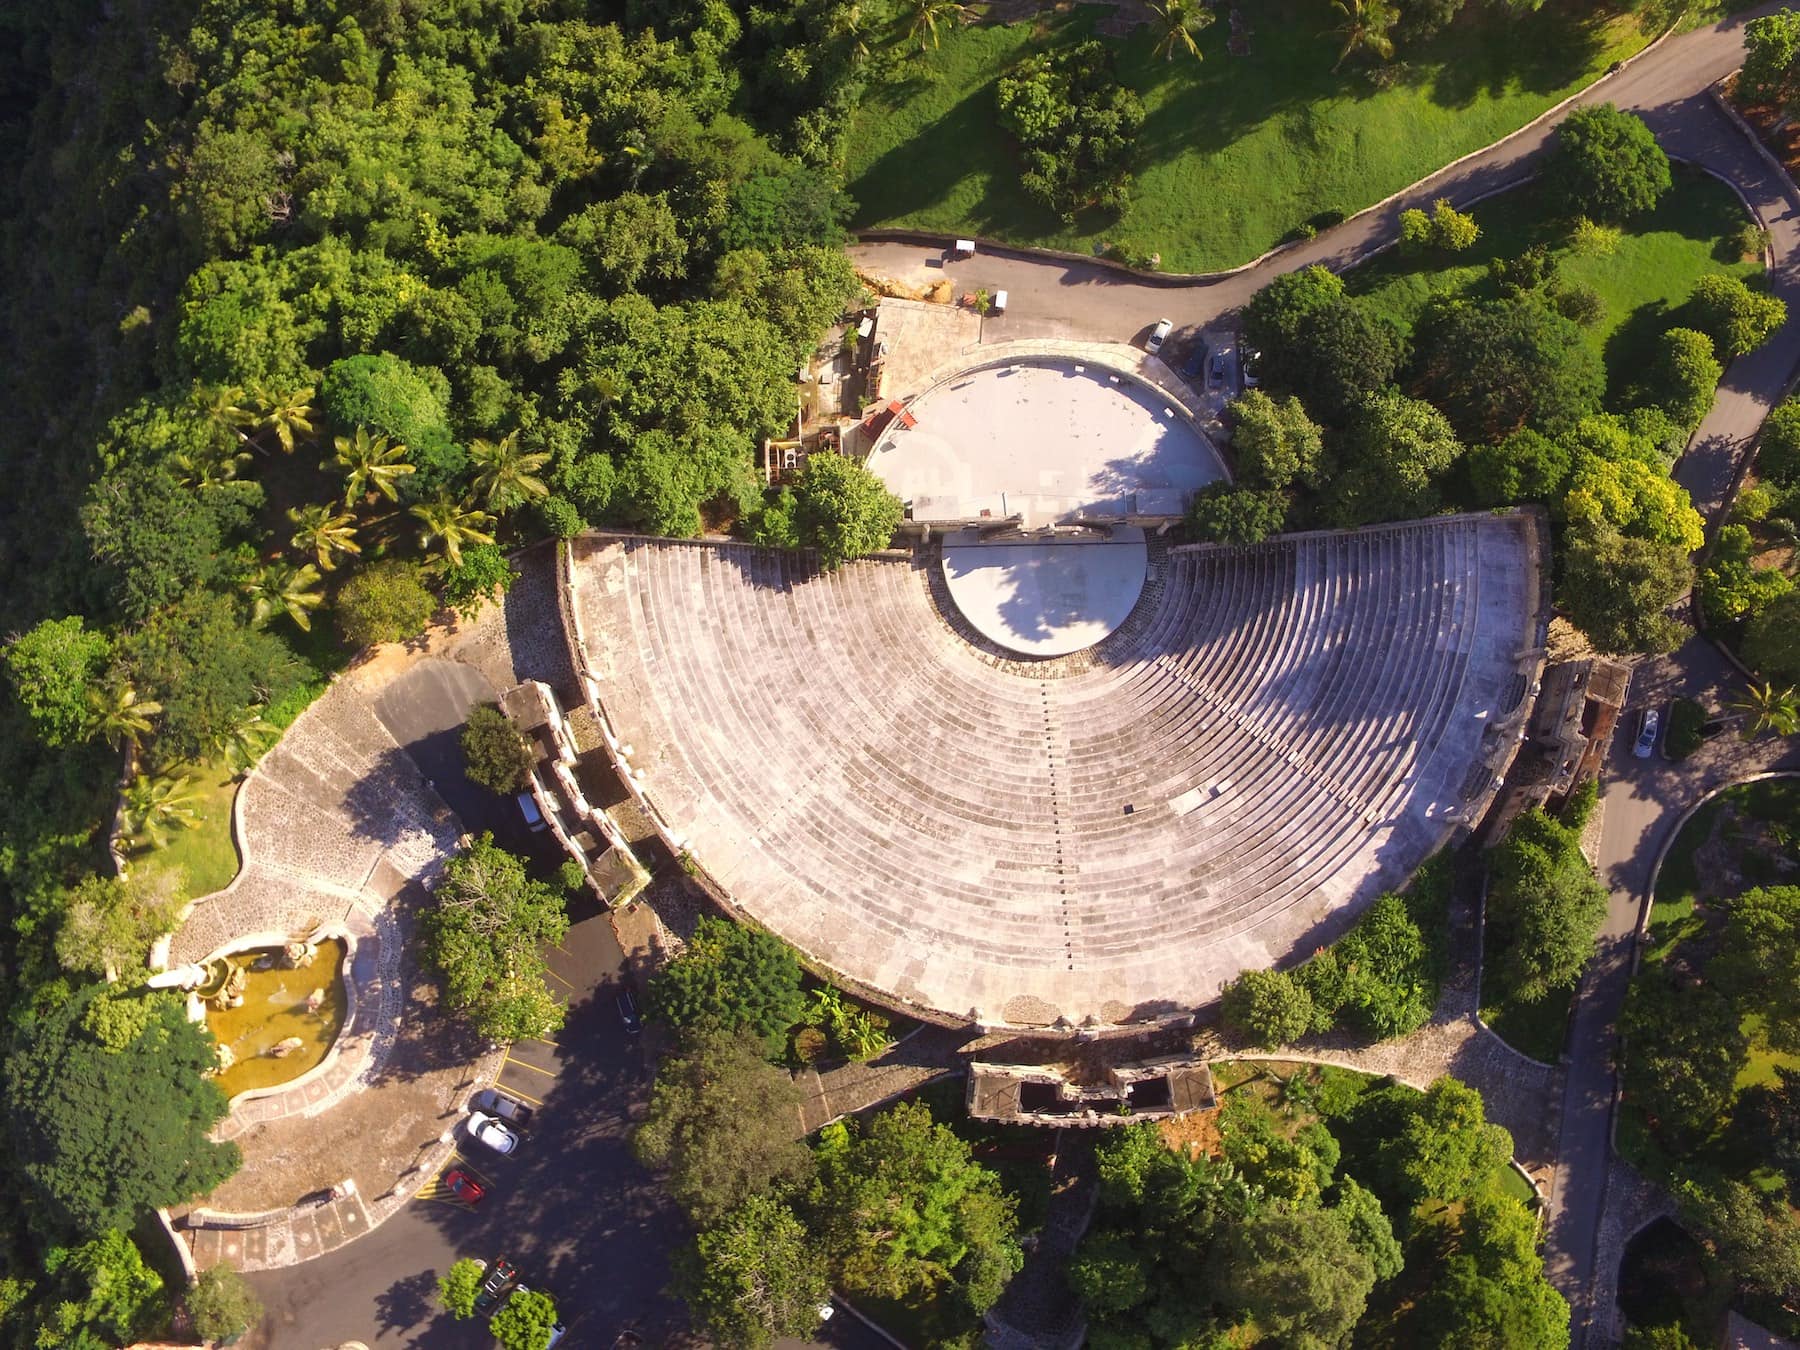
[(1535, 1029), (1650, 273), (206, 855), (1237, 151)]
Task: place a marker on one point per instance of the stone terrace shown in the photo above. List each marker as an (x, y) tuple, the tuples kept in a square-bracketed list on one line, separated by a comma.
[(1274, 736)]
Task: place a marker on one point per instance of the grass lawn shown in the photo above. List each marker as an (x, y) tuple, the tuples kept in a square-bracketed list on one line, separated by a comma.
[(1650, 273), (1236, 151), (1535, 1029), (206, 856)]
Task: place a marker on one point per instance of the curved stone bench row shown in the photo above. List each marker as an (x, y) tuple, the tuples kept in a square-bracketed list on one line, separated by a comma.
[(1276, 734)]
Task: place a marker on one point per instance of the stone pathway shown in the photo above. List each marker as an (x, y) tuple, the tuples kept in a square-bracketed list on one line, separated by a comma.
[(906, 1066), (337, 824), (1038, 1311)]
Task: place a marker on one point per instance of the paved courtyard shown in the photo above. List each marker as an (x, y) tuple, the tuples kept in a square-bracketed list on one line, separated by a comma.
[(1047, 439), (1274, 736)]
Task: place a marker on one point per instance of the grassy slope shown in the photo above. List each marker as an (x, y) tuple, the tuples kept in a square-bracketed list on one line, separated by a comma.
[(1236, 151), (1651, 272)]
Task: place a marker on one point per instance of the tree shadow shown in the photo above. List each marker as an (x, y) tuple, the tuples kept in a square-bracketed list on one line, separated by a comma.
[(409, 1301)]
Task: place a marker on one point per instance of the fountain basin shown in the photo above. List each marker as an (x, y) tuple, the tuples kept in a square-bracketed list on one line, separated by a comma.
[(286, 1019)]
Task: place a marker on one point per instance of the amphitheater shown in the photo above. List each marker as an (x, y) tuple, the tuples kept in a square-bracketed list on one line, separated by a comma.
[(1271, 737)]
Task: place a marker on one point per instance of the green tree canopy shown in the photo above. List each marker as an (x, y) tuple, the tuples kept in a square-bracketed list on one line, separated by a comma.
[(484, 936), (1497, 365), (732, 977), (1395, 455), (1683, 377), (1683, 1051), (1267, 1006), (1446, 1149), (1076, 125), (843, 510), (495, 755), (384, 602), (904, 1207), (1223, 514), (1276, 443), (1736, 318), (53, 667), (1298, 1276), (1545, 907), (1771, 72), (1772, 639), (525, 1321), (1616, 588), (222, 1303), (459, 1286), (102, 1133), (1758, 960), (754, 1275), (1606, 164), (722, 1124), (103, 1289)]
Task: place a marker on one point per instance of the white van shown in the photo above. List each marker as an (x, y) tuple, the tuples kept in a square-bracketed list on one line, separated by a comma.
[(534, 818), (998, 304)]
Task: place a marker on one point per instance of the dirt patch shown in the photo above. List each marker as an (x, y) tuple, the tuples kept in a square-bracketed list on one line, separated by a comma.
[(1194, 1134)]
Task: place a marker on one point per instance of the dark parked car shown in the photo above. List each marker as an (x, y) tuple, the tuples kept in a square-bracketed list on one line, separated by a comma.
[(1196, 363), (628, 1012), (499, 1277), (496, 1103)]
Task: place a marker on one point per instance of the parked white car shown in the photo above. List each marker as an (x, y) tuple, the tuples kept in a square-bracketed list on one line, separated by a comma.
[(492, 1131)]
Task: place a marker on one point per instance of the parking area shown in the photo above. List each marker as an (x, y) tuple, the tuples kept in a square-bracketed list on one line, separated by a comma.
[(570, 1207)]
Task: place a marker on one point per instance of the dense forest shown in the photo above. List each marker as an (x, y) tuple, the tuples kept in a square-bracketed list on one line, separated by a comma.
[(309, 310)]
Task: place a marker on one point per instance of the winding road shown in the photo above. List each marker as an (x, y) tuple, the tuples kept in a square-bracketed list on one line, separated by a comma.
[(1596, 1198)]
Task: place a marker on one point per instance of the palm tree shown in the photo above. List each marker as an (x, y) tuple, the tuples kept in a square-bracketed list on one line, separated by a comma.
[(505, 476), (850, 22), (154, 806), (242, 743), (117, 713), (288, 416), (924, 16), (370, 465), (1180, 20), (1766, 708), (452, 524), (1365, 28), (282, 588), (211, 466), (219, 404), (324, 532)]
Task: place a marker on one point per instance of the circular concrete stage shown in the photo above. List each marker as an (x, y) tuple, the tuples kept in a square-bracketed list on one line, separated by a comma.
[(1046, 599), (1046, 439)]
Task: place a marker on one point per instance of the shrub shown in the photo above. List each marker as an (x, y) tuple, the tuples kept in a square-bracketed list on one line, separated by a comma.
[(1778, 452), (1736, 318), (1731, 589), (386, 602), (222, 1304), (494, 753), (1772, 640), (561, 518), (1580, 303), (1267, 1007), (1687, 729), (572, 875), (1591, 239)]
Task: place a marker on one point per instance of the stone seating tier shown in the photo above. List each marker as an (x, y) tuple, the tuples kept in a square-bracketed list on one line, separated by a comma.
[(1276, 735)]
